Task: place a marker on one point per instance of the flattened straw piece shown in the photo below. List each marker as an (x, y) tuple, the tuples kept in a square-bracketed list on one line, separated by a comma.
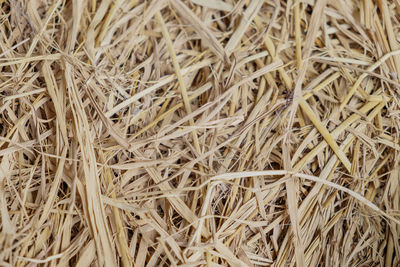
[(247, 18), (292, 202), (178, 73), (47, 259), (315, 22), (121, 236), (292, 205), (271, 49), (389, 143), (115, 5), (322, 85), (325, 133), (27, 60), (215, 4), (7, 225), (342, 60), (112, 129), (88, 254), (32, 92), (99, 14), (311, 35), (297, 32), (364, 75), (206, 35), (54, 188), (77, 15)]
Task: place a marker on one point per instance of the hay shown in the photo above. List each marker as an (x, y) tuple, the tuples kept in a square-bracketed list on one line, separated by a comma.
[(199, 133)]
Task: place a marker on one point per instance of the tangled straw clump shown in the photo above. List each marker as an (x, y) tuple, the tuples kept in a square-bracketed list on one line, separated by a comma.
[(199, 133)]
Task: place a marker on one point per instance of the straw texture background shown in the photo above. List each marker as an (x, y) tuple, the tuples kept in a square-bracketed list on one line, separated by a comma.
[(199, 133)]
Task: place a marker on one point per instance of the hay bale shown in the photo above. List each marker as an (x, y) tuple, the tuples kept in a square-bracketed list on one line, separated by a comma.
[(199, 133)]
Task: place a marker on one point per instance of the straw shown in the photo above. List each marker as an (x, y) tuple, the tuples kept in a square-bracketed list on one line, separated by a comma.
[(199, 133)]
